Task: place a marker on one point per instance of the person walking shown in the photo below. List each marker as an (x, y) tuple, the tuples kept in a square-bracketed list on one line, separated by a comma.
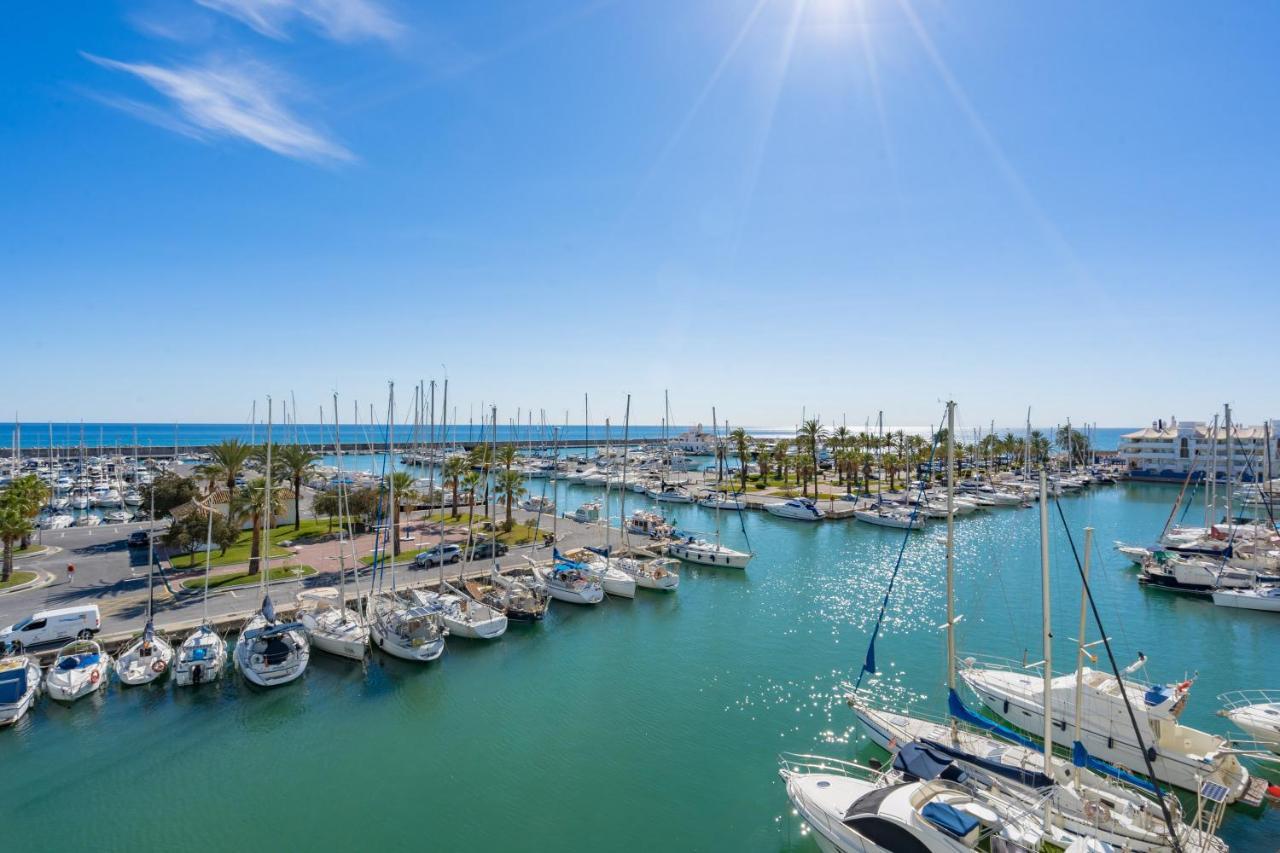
[(71, 574)]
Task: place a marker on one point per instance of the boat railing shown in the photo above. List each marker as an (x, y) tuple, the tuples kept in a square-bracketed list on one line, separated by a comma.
[(794, 764), (1233, 700)]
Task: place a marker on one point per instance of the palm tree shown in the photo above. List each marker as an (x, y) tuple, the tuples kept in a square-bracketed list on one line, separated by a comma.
[(840, 442), (15, 526), (454, 469), (250, 500), (782, 457), (813, 433), (402, 483), (229, 458), (762, 458), (295, 463), (741, 445), (29, 494), (509, 485), (507, 456)]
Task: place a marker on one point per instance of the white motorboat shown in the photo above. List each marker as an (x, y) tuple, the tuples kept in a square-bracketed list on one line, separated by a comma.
[(1182, 756), (464, 616), (538, 504), (800, 509), (333, 627), (1265, 598), (1256, 712), (88, 520), (59, 521), (650, 574), (147, 658), (117, 516), (81, 668), (570, 583), (648, 523), (1135, 553), (856, 809), (588, 513), (79, 501), (269, 652), (133, 499), (202, 657), (696, 550), (19, 686)]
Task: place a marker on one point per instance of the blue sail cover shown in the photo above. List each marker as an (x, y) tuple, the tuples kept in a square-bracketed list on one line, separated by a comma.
[(603, 552), (958, 710), (563, 563), (1080, 757), (1028, 778)]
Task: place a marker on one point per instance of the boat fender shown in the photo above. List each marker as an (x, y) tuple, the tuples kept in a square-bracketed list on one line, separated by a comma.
[(94, 676), (1151, 753), (1273, 791), (157, 666), (256, 660)]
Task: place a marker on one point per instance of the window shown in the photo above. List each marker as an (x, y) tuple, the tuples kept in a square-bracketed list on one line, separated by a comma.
[(887, 834), (34, 625), (1182, 452)]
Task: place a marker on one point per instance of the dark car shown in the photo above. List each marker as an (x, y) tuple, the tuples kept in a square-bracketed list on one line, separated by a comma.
[(138, 539), (486, 549)]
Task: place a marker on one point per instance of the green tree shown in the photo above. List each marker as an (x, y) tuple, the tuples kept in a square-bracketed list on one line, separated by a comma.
[(762, 459), (454, 469), (403, 482), (29, 495), (170, 490), (15, 526), (812, 432), (782, 457), (229, 458), (741, 442), (295, 463), (510, 486), (327, 503), (250, 501)]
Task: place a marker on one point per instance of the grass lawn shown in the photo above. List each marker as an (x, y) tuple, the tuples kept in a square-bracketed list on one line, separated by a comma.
[(239, 552), (245, 579), (17, 579)]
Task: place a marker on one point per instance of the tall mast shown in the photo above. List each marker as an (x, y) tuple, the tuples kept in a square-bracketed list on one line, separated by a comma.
[(268, 520), (1046, 633), (1080, 645), (1226, 416), (337, 450), (394, 535), (622, 493), (951, 552), (715, 443)]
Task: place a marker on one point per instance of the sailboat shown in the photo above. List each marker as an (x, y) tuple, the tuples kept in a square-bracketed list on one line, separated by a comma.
[(270, 652), (334, 627), (401, 627), (80, 668), (1090, 798), (20, 684), (203, 655), (569, 581), (148, 658), (696, 549)]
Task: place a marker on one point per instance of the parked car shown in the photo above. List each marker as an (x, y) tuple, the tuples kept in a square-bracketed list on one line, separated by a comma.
[(488, 548), (54, 626), (138, 539), (437, 555)]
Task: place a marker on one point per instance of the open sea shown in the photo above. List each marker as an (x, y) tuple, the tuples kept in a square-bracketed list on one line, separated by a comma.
[(642, 725), (42, 435)]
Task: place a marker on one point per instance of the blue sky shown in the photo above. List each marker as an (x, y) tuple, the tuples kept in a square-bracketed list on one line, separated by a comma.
[(763, 205)]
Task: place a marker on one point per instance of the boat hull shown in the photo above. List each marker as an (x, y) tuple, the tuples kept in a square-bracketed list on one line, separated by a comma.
[(424, 653)]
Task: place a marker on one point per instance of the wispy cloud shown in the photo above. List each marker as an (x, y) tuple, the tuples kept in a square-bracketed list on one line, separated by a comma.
[(342, 20), (242, 101)]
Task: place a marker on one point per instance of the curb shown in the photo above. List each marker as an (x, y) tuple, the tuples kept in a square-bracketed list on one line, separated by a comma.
[(42, 579), (46, 551)]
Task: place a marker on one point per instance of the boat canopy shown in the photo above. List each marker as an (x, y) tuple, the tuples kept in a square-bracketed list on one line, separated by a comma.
[(1028, 778), (957, 709), (78, 661), (949, 819), (13, 685), (1080, 757), (922, 762)]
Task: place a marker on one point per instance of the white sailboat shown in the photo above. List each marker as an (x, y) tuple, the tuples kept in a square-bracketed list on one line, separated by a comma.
[(400, 627), (463, 616), (334, 627), (202, 656), (571, 582), (270, 652), (149, 657)]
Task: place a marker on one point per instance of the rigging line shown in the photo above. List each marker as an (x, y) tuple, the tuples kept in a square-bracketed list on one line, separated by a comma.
[(869, 663), (1124, 693)]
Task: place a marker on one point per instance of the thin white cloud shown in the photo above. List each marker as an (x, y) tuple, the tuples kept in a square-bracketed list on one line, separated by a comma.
[(341, 20), (243, 101)]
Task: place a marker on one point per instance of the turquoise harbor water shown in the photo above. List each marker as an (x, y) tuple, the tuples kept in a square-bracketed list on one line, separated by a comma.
[(635, 725)]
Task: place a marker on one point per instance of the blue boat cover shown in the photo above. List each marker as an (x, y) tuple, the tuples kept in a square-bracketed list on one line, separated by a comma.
[(1080, 757), (199, 653), (563, 563), (603, 552), (920, 761), (13, 685), (1157, 694), (78, 661), (958, 710), (949, 819)]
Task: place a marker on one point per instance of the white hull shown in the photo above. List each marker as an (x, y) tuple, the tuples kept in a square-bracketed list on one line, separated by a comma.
[(618, 583), (1248, 599), (423, 653), (257, 668), (202, 657), (352, 642), (586, 594), (134, 668), (709, 556), (782, 510), (11, 712), (75, 684), (900, 522)]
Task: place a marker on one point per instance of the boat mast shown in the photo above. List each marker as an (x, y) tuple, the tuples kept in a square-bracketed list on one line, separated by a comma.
[(267, 518), (337, 450), (393, 534), (715, 441), (951, 551), (622, 493), (151, 552), (1080, 644), (1230, 462), (608, 528), (1046, 636)]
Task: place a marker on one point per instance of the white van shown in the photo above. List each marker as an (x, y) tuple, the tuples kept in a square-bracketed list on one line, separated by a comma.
[(54, 626)]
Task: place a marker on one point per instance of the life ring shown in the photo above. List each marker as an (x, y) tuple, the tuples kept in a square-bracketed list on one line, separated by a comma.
[(94, 676), (157, 666), (256, 660)]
